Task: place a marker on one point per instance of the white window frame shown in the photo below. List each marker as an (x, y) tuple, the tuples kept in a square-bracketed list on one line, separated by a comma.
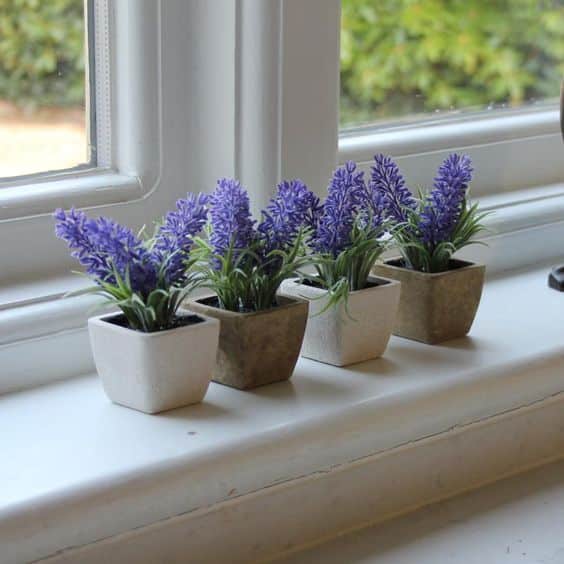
[(130, 182), (163, 137), (126, 168), (524, 136), (518, 155), (519, 173), (128, 141)]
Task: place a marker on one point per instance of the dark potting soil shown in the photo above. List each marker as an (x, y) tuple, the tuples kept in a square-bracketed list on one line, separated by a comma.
[(453, 264), (313, 284), (213, 301), (178, 321)]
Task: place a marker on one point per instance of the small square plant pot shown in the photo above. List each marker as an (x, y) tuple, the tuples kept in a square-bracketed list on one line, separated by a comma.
[(153, 372), (256, 348), (435, 307), (340, 338)]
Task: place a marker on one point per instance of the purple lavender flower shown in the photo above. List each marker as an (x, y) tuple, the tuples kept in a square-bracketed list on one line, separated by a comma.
[(127, 254), (105, 247), (73, 227), (294, 207), (388, 182), (231, 221), (347, 195), (375, 207), (175, 236), (443, 206)]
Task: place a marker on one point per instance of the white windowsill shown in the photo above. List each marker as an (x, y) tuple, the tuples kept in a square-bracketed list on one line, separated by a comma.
[(482, 129), (511, 151), (79, 190), (91, 469), (516, 521)]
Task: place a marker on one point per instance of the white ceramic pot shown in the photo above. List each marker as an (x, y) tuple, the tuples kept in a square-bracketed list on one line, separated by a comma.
[(338, 338), (153, 372)]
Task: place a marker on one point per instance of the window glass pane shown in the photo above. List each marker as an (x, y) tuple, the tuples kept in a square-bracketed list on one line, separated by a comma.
[(43, 114), (403, 60)]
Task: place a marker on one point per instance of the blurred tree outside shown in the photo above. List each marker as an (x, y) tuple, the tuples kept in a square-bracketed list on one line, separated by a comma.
[(42, 52), (403, 57), (398, 58), (42, 86)]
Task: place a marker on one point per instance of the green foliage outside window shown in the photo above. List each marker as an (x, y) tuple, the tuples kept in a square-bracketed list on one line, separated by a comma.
[(42, 52), (402, 57), (397, 57)]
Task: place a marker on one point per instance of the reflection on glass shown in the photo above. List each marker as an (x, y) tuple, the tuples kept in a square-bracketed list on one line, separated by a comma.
[(409, 59), (42, 86)]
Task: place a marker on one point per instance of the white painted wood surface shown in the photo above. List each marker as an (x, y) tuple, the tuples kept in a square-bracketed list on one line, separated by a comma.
[(293, 513), (516, 521), (77, 468)]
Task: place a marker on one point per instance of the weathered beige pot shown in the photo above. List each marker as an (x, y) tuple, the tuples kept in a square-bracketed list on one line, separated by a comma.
[(340, 338), (435, 307), (256, 348)]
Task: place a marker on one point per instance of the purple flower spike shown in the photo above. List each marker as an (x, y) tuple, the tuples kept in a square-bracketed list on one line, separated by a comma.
[(388, 185), (103, 245), (175, 236), (73, 227), (294, 207), (444, 204), (126, 252), (375, 202), (231, 219), (347, 194)]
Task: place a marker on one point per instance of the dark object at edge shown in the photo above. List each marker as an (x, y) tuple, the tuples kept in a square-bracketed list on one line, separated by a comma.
[(556, 278), (562, 109)]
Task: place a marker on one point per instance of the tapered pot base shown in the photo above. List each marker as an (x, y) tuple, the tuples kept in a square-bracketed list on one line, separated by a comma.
[(343, 335), (154, 372), (439, 306), (256, 348)]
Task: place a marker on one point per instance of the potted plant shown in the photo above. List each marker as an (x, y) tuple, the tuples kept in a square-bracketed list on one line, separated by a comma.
[(440, 294), (244, 264), (352, 314), (152, 356)]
